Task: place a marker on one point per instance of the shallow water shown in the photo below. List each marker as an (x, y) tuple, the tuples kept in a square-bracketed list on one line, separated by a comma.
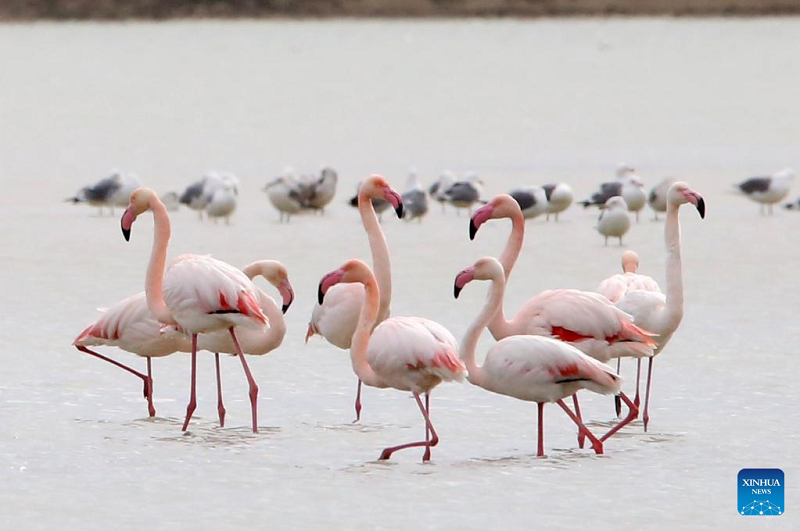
[(522, 102)]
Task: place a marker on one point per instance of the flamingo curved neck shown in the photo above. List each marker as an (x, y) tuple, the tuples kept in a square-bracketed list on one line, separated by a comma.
[(673, 310), (154, 281), (360, 342), (273, 336), (381, 263), (494, 301), (514, 244)]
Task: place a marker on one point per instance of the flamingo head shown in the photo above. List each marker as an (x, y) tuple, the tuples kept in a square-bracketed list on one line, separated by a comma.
[(377, 187), (502, 206), (487, 268), (139, 204), (276, 274), (630, 262), (680, 194), (352, 271)]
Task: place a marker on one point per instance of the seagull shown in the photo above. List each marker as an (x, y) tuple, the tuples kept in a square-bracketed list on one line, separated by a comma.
[(559, 198), (614, 220), (464, 194), (436, 191), (628, 185), (223, 189), (657, 198), (415, 202), (284, 196), (768, 190), (114, 190), (317, 192), (532, 200)]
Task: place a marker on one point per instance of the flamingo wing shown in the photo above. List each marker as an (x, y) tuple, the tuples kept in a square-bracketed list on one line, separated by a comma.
[(403, 345), (195, 281), (616, 286)]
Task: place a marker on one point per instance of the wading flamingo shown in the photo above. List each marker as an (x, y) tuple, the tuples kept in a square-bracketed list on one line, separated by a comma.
[(533, 368), (405, 353), (254, 341), (336, 319), (198, 293), (130, 325), (662, 312)]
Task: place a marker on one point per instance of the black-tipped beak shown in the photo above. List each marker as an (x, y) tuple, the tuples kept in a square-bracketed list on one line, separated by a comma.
[(473, 230), (456, 290), (126, 233), (320, 294), (285, 307), (701, 208), (399, 211)]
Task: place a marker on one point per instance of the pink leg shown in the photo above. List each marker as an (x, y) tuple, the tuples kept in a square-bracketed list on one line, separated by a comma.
[(540, 451), (387, 452), (427, 455), (633, 412), (597, 446), (358, 403), (581, 436), (220, 405), (617, 401), (250, 380), (647, 393), (148, 383), (638, 377), (193, 393), (150, 407)]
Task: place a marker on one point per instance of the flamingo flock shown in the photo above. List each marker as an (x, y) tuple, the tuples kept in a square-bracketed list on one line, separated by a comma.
[(557, 345)]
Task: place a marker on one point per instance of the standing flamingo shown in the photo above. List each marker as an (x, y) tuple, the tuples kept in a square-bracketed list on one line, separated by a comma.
[(405, 353), (533, 368), (651, 309), (337, 318), (254, 341), (131, 326), (199, 293)]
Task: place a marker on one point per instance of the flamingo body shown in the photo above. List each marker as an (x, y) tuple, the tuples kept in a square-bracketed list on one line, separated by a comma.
[(337, 317)]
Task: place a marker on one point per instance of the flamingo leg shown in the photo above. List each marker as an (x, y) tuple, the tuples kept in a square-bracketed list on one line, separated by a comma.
[(638, 376), (540, 451), (150, 407), (427, 455), (646, 416), (220, 405), (193, 393), (581, 436), (148, 382), (358, 402), (617, 401), (597, 445), (250, 380), (387, 452), (633, 412)]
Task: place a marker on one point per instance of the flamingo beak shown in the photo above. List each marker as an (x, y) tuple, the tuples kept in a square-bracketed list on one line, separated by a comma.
[(128, 217), (462, 279), (479, 218), (328, 281), (287, 293), (697, 200), (395, 200)]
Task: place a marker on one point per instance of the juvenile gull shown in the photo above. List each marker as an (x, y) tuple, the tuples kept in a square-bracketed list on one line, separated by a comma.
[(768, 190), (614, 220), (559, 198)]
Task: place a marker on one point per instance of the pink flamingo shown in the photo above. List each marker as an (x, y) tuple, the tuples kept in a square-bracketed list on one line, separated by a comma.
[(130, 326), (614, 288), (198, 293), (254, 341), (337, 318), (533, 368), (651, 309), (405, 353)]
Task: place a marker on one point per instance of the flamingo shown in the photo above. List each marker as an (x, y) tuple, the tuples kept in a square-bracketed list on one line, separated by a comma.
[(337, 318), (405, 353), (587, 321), (255, 342), (199, 293), (659, 312), (130, 326), (533, 368)]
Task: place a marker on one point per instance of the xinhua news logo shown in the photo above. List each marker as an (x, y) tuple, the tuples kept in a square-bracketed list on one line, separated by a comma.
[(761, 492)]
